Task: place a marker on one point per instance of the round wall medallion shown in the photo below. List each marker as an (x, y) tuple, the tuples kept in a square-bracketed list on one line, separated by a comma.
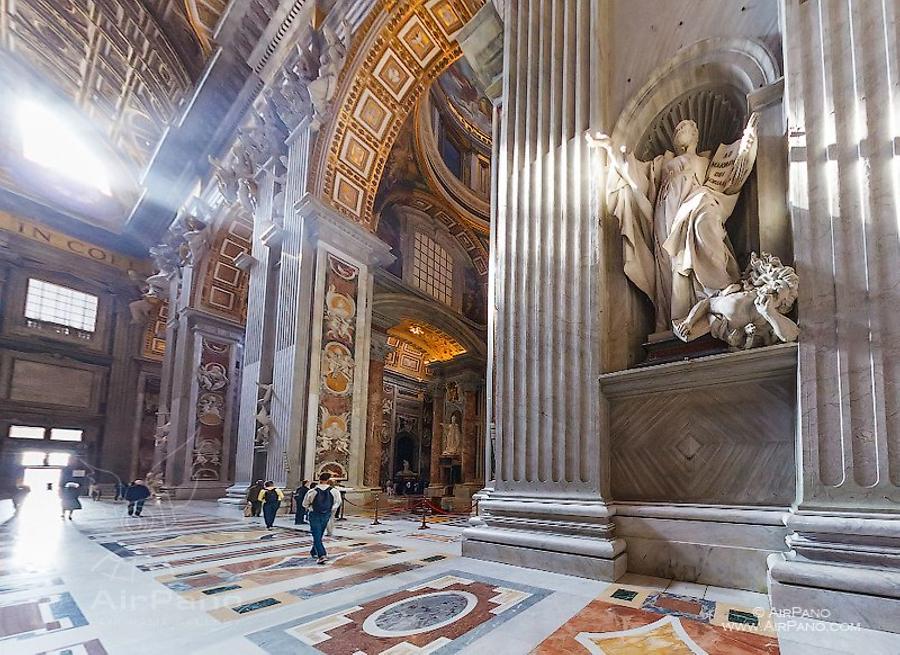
[(419, 614)]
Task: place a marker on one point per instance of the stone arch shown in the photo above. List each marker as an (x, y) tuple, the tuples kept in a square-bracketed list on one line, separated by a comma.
[(743, 65), (397, 53), (392, 308)]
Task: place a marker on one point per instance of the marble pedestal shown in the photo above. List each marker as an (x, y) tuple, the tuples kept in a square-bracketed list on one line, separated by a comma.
[(575, 538), (841, 568)]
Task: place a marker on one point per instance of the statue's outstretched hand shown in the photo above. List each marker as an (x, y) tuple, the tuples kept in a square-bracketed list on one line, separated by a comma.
[(598, 140)]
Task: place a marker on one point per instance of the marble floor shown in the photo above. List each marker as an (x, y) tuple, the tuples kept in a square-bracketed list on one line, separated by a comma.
[(194, 578)]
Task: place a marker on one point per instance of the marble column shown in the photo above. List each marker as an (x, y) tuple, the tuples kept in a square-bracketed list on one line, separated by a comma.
[(548, 508), (436, 486), (379, 351), (844, 559), (293, 302)]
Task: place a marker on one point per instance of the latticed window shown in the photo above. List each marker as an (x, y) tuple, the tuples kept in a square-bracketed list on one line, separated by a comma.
[(433, 269), (51, 303)]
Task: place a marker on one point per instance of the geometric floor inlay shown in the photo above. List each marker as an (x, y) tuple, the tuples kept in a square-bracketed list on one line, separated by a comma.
[(445, 612)]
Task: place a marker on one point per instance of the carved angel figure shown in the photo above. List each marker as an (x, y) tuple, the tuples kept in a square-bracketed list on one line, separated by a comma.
[(337, 363), (143, 310), (672, 212), (161, 436), (196, 239), (207, 454), (331, 61), (263, 416), (749, 313)]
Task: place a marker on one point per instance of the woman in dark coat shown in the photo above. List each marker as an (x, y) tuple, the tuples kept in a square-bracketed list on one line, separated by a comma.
[(69, 498)]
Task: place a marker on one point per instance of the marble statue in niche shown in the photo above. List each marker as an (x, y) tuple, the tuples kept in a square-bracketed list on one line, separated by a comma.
[(672, 212), (749, 313), (452, 436)]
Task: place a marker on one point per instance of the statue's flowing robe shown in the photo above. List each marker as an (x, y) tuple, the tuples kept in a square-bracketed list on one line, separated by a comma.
[(646, 198), (702, 259)]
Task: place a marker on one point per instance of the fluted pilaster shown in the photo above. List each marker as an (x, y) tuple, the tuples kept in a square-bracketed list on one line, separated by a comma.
[(545, 354), (841, 84)]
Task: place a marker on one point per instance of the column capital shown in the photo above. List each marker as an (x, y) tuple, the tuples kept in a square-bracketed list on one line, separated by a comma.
[(470, 382), (437, 388), (380, 347), (332, 228)]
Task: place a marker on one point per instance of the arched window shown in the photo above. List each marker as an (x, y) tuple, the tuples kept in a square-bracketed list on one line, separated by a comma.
[(432, 269)]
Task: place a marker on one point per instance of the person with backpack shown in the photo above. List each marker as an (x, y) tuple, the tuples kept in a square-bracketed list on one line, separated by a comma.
[(136, 494), (271, 498), (299, 510), (321, 502)]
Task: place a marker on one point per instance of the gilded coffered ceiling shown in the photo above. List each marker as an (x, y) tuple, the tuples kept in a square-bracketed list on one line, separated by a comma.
[(115, 72), (398, 52), (437, 345), (126, 65)]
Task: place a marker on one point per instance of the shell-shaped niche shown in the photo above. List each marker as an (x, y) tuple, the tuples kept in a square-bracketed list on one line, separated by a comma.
[(719, 111)]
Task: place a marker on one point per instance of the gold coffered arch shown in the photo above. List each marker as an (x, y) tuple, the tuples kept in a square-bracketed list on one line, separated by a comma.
[(399, 50)]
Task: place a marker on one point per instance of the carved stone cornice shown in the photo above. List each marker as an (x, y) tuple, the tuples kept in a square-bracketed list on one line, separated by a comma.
[(380, 347)]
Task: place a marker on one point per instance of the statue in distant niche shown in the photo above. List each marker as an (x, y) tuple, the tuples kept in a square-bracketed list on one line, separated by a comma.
[(264, 424), (452, 436), (749, 313), (672, 212)]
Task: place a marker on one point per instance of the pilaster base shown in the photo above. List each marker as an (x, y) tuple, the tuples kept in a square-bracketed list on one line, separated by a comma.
[(555, 561), (562, 537), (842, 568), (726, 546), (202, 491), (235, 496)]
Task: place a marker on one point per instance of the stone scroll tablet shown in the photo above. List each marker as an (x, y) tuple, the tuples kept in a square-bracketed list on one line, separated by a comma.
[(718, 176)]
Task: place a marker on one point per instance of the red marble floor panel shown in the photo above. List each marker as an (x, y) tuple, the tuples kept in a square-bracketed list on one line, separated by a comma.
[(601, 617)]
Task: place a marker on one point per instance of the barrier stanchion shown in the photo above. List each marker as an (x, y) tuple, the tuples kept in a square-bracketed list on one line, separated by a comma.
[(424, 525), (376, 521)]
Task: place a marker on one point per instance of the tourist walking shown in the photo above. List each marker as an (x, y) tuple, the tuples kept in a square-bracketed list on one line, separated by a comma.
[(136, 493), (94, 491), (270, 497), (321, 502), (69, 498), (253, 492), (120, 490), (299, 510), (19, 495)]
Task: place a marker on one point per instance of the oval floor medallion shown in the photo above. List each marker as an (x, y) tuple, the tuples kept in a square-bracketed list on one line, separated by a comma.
[(419, 614)]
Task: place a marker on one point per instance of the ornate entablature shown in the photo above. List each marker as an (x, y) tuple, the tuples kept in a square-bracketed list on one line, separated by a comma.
[(396, 55)]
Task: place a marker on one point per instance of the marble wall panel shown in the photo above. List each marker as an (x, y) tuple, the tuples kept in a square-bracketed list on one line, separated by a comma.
[(718, 441)]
